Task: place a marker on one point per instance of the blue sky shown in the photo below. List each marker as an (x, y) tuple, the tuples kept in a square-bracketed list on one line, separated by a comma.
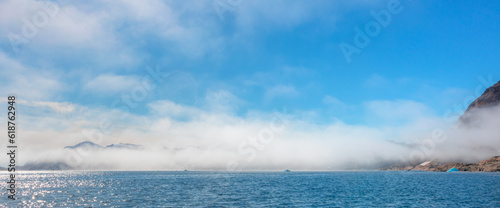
[(249, 58), (431, 52)]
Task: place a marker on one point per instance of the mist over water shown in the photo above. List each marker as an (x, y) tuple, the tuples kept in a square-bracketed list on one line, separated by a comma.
[(280, 141)]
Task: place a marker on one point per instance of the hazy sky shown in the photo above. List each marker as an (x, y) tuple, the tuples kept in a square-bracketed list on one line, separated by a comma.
[(190, 76)]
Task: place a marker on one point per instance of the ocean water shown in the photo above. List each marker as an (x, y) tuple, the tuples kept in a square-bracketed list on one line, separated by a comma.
[(253, 189)]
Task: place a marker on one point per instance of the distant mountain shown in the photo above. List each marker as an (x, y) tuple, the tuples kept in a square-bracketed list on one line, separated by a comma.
[(87, 145), (490, 98), (45, 166), (125, 146)]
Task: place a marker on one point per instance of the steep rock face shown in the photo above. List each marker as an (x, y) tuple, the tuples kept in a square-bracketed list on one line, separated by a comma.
[(490, 98)]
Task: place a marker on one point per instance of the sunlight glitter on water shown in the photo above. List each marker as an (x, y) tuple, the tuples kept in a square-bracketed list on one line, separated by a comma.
[(243, 189)]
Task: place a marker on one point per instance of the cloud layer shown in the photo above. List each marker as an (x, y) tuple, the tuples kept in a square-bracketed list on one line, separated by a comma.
[(178, 137)]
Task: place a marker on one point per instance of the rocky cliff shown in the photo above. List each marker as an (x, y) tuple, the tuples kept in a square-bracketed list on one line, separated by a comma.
[(490, 98), (470, 118)]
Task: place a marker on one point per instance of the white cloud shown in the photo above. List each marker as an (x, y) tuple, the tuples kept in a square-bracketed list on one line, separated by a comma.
[(286, 91), (109, 83), (396, 112), (222, 101), (64, 24), (329, 100), (377, 80), (166, 108), (58, 107), (28, 82), (252, 14), (260, 17), (67, 31), (114, 33)]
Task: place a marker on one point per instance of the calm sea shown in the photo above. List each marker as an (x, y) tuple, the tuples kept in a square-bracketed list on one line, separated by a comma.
[(259, 189)]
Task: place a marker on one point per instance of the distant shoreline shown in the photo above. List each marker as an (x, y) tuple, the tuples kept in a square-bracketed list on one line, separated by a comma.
[(489, 165)]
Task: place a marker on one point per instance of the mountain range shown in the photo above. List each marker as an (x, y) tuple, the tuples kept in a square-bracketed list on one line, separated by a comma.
[(88, 145), (85, 146)]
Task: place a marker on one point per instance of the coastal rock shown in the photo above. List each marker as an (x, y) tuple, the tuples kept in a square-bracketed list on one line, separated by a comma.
[(489, 165), (425, 166)]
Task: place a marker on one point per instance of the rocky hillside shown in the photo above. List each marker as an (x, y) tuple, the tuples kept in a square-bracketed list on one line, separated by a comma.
[(490, 97), (490, 165)]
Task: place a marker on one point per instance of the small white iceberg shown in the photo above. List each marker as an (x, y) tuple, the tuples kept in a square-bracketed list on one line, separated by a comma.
[(452, 170)]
